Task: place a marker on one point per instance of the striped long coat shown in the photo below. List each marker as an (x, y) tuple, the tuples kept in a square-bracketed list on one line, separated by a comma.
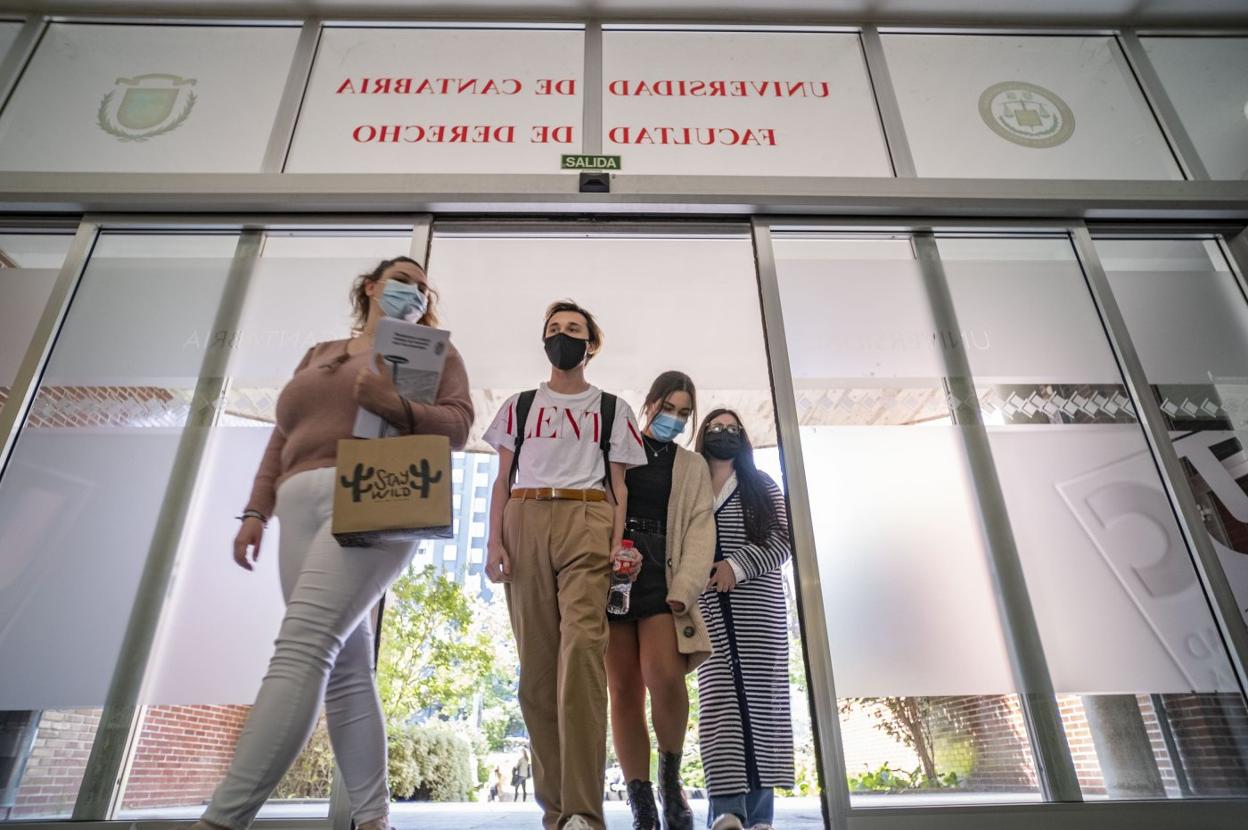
[(745, 730)]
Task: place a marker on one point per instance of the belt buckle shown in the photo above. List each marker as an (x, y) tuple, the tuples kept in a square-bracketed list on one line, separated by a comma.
[(545, 494)]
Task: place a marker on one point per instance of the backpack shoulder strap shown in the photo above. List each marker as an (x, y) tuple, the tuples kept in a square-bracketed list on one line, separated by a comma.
[(607, 411), (523, 404)]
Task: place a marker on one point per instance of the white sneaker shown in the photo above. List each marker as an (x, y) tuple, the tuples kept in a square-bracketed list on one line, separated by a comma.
[(727, 821), (577, 823)]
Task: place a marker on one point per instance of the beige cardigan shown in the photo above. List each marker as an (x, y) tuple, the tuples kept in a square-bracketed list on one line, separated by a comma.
[(690, 551)]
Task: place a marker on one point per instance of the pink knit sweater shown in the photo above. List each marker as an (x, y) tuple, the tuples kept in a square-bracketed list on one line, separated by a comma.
[(317, 408)]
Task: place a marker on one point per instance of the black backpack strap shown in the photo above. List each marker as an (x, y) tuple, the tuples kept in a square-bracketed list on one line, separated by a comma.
[(607, 411), (523, 404)]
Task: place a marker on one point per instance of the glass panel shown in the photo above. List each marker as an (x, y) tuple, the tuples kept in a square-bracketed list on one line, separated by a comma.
[(740, 103), (398, 100), (1024, 106), (887, 491), (43, 767), (147, 99), (1187, 318), (217, 613), (29, 264), (1120, 613), (1201, 76), (98, 444)]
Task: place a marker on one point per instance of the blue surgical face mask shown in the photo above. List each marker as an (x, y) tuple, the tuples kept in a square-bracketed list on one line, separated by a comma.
[(404, 301), (666, 427)]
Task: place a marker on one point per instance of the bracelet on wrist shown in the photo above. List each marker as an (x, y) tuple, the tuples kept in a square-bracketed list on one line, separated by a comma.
[(254, 514)]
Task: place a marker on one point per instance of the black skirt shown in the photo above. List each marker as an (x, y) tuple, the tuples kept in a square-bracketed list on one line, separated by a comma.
[(648, 596)]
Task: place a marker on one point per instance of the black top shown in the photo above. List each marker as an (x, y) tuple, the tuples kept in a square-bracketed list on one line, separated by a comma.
[(650, 487)]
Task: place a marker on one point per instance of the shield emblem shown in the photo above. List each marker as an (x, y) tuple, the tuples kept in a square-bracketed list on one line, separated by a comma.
[(148, 105), (142, 109)]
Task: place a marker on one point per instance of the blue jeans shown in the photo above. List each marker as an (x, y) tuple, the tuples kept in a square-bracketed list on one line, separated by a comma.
[(755, 807)]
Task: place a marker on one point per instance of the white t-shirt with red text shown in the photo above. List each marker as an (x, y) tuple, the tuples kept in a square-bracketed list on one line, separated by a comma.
[(561, 439)]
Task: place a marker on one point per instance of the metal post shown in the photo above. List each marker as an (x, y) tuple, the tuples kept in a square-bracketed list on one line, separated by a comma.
[(422, 238), (30, 372), (283, 131), (827, 723), (19, 56), (591, 90), (1172, 746), (101, 781), (1054, 767), (1167, 116), (886, 102), (1225, 609)]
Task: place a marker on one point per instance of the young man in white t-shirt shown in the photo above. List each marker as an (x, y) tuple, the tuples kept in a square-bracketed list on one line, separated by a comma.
[(554, 534)]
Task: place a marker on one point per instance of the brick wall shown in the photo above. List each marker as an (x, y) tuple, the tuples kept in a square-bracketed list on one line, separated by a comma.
[(182, 753), (985, 733), (1211, 732), (57, 762)]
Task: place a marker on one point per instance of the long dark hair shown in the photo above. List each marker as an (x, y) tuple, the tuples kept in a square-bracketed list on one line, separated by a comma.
[(756, 503), (667, 383), (359, 294)]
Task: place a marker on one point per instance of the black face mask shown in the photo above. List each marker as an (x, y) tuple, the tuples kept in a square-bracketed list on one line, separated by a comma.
[(722, 445), (565, 352)]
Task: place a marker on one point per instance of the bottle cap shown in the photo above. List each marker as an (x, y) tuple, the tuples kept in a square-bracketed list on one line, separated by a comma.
[(627, 543)]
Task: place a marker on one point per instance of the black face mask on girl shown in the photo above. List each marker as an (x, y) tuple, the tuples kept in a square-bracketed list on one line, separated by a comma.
[(722, 445), (565, 352)]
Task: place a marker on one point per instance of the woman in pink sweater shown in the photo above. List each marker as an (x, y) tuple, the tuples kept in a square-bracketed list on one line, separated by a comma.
[(325, 645)]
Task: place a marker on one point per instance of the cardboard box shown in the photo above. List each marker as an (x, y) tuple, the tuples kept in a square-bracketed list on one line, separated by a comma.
[(392, 490)]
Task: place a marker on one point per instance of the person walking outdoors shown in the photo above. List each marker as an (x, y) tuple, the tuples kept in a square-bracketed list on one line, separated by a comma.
[(520, 777), (553, 538), (745, 729), (324, 646), (662, 637)]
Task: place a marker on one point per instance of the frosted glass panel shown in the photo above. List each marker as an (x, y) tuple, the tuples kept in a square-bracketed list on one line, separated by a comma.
[(1204, 79), (82, 491), (895, 515), (910, 602), (740, 103), (29, 264), (147, 99), (1023, 107), (441, 100), (1188, 320), (218, 613)]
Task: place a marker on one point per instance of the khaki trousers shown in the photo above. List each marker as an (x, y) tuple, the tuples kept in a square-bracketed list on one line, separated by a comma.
[(557, 598)]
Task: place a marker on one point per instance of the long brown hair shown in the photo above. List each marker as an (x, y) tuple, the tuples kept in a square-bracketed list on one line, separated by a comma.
[(756, 503), (360, 299), (667, 383)]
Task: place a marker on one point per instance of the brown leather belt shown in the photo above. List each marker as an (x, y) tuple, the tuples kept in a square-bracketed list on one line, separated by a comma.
[(557, 494)]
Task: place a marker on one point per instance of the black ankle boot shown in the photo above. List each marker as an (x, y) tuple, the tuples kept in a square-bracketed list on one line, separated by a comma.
[(641, 800), (676, 812)]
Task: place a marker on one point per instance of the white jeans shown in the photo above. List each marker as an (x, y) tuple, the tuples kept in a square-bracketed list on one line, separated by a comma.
[(324, 651)]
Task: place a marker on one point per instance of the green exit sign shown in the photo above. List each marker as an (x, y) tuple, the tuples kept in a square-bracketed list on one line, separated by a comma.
[(590, 162)]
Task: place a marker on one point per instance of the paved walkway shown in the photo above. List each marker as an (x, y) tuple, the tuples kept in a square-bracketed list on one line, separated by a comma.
[(791, 814)]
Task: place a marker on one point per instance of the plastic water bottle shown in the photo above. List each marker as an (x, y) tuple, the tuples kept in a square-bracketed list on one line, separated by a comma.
[(621, 585)]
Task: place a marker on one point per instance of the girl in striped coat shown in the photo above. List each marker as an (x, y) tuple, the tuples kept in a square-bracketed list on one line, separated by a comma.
[(745, 729)]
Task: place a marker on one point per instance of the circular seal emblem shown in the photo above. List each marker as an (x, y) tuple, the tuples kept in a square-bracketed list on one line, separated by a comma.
[(1026, 114)]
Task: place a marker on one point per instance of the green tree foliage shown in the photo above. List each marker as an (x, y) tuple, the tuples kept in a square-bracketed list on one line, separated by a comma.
[(433, 657)]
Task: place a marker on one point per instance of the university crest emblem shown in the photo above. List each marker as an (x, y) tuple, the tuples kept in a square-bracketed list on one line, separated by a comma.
[(1026, 114), (146, 106)]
